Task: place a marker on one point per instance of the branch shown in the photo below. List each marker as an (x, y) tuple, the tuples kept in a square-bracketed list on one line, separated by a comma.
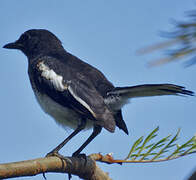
[(143, 150), (85, 169)]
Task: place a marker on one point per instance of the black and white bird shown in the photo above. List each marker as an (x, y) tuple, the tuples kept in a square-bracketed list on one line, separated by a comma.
[(74, 93)]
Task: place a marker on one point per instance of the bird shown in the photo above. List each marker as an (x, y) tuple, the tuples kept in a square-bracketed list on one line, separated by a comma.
[(76, 94)]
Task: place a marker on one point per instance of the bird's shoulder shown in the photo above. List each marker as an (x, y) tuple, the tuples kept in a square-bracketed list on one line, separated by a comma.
[(98, 79), (46, 63)]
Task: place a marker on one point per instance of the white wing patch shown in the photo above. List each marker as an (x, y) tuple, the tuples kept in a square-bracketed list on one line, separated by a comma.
[(54, 78), (57, 82), (81, 101)]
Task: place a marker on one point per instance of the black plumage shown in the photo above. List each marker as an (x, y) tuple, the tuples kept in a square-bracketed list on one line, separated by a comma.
[(75, 93)]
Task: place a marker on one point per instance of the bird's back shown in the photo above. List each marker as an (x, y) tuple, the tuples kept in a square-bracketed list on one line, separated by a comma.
[(98, 79)]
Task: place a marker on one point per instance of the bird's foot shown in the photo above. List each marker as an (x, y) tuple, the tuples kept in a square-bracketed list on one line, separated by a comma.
[(61, 157), (82, 155), (55, 153), (51, 154)]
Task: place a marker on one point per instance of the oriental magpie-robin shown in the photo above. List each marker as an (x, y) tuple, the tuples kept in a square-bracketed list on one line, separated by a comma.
[(73, 92)]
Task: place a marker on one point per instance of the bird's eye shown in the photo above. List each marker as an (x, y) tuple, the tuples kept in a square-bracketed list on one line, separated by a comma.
[(25, 37)]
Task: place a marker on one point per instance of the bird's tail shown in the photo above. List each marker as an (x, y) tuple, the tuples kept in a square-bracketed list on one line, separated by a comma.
[(120, 95)]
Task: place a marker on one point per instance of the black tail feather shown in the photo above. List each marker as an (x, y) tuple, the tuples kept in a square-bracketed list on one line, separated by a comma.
[(150, 90), (120, 123)]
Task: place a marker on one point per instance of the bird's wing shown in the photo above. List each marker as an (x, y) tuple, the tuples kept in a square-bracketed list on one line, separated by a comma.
[(73, 90)]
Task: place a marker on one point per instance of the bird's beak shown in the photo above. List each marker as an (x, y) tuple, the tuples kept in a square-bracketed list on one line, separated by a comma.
[(14, 45)]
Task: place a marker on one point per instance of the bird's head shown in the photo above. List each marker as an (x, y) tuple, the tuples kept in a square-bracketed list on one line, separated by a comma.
[(35, 42)]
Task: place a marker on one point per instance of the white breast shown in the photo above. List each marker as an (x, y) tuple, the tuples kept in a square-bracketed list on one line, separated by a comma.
[(62, 115)]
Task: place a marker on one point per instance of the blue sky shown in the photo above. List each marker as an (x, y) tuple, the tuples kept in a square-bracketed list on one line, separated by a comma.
[(105, 34)]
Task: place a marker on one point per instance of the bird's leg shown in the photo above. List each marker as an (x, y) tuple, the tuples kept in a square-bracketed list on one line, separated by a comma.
[(55, 151), (96, 131)]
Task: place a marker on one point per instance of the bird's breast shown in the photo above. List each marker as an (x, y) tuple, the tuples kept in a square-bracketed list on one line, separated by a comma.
[(64, 116)]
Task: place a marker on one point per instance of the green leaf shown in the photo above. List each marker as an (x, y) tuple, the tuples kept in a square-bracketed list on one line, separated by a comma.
[(149, 151), (149, 137), (135, 145), (167, 146)]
